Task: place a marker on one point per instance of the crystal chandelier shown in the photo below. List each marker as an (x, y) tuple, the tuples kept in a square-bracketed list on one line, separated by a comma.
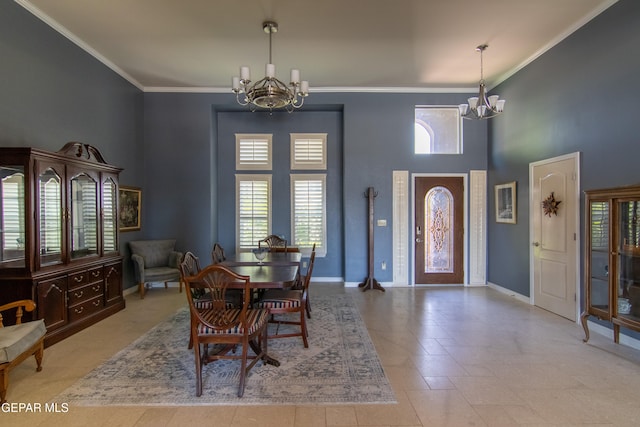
[(482, 106), (269, 92)]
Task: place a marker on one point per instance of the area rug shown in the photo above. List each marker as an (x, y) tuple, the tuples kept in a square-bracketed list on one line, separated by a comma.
[(339, 367)]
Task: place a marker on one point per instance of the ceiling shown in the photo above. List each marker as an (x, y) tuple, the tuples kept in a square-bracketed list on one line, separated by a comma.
[(338, 45)]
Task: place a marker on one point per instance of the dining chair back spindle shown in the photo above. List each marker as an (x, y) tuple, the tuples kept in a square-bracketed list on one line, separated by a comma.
[(224, 328), (272, 242)]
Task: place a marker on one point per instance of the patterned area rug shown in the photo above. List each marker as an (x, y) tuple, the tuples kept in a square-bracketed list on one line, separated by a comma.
[(339, 367)]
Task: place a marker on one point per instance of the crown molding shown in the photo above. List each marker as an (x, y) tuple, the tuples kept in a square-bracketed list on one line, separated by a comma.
[(327, 89)]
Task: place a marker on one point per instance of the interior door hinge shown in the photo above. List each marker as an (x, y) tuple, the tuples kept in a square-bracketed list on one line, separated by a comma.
[(574, 237)]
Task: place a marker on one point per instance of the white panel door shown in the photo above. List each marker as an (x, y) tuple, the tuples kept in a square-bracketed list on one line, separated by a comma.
[(554, 235)]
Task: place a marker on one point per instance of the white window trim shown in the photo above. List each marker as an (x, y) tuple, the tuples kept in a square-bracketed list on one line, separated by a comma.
[(255, 136), (321, 251), (252, 177), (322, 165), (459, 128)]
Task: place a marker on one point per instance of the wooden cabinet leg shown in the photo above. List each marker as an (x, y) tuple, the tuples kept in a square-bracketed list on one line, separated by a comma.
[(583, 319)]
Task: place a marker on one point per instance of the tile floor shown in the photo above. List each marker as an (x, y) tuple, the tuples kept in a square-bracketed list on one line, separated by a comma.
[(455, 357)]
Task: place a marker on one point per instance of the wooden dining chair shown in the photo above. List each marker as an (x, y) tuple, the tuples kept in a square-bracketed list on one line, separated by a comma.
[(273, 242), (283, 301), (223, 327), (302, 280), (190, 266), (217, 254)]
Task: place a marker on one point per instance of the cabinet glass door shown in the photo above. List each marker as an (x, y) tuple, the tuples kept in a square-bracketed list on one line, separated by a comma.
[(599, 274), (50, 203), (12, 216), (109, 216), (628, 289), (84, 216)]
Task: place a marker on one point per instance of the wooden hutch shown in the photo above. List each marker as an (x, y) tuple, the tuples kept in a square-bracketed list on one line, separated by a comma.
[(59, 236)]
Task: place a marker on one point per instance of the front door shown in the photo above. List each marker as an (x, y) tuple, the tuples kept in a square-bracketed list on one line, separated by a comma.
[(439, 233), (554, 232)]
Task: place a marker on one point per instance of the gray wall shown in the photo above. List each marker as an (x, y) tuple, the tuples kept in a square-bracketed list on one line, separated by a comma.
[(580, 96), (187, 138), (52, 92)]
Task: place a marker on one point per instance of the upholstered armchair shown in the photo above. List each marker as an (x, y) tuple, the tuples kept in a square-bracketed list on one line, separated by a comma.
[(19, 342), (155, 261)]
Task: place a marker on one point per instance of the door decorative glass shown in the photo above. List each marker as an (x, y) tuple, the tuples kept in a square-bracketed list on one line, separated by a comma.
[(439, 224)]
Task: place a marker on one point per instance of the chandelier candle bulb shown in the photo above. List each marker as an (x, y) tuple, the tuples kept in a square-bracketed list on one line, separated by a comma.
[(245, 75), (236, 83), (493, 100), (473, 103), (304, 87), (270, 70), (500, 105), (295, 76)]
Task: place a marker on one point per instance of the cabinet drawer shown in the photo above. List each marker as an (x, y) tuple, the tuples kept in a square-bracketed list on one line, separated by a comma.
[(95, 275), (77, 295), (85, 308), (77, 279)]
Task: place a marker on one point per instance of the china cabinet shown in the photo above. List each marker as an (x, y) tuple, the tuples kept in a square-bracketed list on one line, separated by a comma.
[(59, 235), (612, 262)]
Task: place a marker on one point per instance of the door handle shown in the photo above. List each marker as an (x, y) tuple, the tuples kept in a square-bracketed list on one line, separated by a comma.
[(536, 244), (418, 240)]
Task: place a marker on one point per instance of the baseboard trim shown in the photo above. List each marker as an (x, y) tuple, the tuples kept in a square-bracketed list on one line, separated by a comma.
[(510, 292), (607, 332)]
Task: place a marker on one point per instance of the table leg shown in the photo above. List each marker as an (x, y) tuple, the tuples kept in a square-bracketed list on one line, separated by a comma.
[(266, 358)]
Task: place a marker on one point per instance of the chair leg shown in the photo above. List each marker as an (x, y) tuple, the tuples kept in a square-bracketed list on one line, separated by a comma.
[(303, 329), (307, 307), (4, 384), (166, 285), (243, 370), (141, 290), (196, 351), (38, 355)]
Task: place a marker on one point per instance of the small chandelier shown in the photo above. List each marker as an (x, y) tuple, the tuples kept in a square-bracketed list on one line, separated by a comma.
[(482, 106), (269, 92)]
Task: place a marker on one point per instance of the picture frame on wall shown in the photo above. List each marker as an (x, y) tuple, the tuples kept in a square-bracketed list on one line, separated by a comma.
[(506, 202), (129, 214)]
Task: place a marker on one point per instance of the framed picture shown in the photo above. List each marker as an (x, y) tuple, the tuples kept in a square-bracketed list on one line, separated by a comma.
[(506, 202), (130, 203)]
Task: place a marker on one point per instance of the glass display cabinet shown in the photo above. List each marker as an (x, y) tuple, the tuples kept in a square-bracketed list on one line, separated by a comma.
[(612, 262), (59, 235)]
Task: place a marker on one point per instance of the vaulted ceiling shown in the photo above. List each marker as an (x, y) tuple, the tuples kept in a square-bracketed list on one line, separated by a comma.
[(341, 45)]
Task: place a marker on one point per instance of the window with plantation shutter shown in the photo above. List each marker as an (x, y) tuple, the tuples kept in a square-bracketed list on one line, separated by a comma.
[(308, 201), (308, 151), (253, 151), (253, 210)]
